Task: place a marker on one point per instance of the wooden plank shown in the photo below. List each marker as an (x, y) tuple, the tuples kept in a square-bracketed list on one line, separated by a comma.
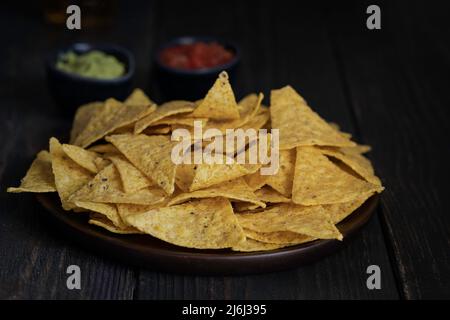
[(282, 43), (398, 85)]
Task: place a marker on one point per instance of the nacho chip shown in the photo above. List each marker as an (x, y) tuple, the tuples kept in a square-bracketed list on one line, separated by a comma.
[(184, 176), (317, 180), (250, 245), (279, 237), (165, 110), (203, 224), (185, 120), (69, 176), (106, 187), (307, 220), (219, 103), (151, 155), (267, 194), (113, 116), (298, 124), (82, 118), (234, 190), (245, 206), (82, 157), (103, 148), (360, 164), (139, 98), (132, 179), (106, 209), (258, 121), (106, 224), (340, 211), (282, 180), (39, 177), (156, 130)]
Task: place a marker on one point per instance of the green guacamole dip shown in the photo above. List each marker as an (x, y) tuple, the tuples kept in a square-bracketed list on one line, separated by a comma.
[(93, 64)]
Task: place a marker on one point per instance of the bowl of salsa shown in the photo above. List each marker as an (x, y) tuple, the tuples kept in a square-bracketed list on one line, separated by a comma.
[(83, 72), (186, 67)]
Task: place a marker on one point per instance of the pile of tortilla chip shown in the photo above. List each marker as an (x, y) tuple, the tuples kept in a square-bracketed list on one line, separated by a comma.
[(118, 170)]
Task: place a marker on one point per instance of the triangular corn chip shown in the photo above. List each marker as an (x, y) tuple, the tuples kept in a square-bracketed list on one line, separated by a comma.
[(138, 97), (104, 223), (317, 180), (298, 124), (82, 118), (282, 180), (219, 103), (204, 224), (39, 177), (267, 194), (106, 209), (82, 157), (278, 237), (250, 245)]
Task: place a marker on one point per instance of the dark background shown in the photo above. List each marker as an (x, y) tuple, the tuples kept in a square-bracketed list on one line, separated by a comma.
[(389, 88)]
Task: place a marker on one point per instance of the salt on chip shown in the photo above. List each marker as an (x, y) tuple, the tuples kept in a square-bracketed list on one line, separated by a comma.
[(69, 176), (317, 180), (151, 155), (106, 187), (307, 220), (278, 237), (165, 110), (82, 157), (132, 179), (39, 177), (203, 224), (82, 118), (299, 125), (282, 180), (113, 116), (219, 103), (234, 190)]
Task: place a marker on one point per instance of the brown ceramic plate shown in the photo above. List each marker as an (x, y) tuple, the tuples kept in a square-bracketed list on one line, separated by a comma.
[(149, 252)]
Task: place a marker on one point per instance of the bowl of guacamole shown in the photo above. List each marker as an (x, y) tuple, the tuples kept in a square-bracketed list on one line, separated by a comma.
[(83, 72)]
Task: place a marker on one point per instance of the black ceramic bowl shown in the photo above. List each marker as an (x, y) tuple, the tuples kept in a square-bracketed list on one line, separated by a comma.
[(70, 90), (191, 84)]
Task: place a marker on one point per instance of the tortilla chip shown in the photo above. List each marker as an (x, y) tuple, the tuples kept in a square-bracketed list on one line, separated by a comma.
[(106, 224), (69, 176), (106, 209), (255, 180), (106, 187), (340, 211), (181, 120), (317, 180), (282, 180), (113, 116), (139, 98), (307, 220), (39, 177), (132, 179), (203, 224), (207, 175), (234, 190), (280, 237), (250, 245), (219, 103), (184, 176), (103, 148), (82, 157), (298, 124), (165, 110), (245, 206), (268, 194), (353, 159), (258, 121), (151, 155), (157, 130), (82, 118)]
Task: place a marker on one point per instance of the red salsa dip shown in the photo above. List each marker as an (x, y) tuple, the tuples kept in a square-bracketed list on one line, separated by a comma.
[(197, 55)]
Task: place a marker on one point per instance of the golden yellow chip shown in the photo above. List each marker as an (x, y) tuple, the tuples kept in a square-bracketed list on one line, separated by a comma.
[(258, 121), (234, 190), (250, 245), (299, 125), (340, 211), (163, 129), (203, 224), (138, 97), (103, 148), (108, 225), (106, 209), (282, 180), (312, 221), (184, 176), (69, 176), (151, 155), (82, 157), (165, 110), (132, 179), (114, 115), (219, 103), (39, 177), (360, 164), (279, 237), (106, 187), (317, 180), (255, 180), (267, 194), (82, 118)]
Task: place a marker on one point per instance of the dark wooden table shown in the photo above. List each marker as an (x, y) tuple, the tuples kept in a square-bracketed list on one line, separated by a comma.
[(389, 88)]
